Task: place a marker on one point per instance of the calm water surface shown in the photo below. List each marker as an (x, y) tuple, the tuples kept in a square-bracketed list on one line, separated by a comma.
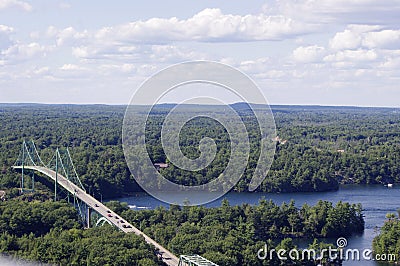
[(376, 200)]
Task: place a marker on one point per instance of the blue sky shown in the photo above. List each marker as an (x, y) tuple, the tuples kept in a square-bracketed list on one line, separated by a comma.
[(326, 52)]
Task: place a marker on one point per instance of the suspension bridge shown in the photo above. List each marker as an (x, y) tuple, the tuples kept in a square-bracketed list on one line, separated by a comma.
[(61, 170)]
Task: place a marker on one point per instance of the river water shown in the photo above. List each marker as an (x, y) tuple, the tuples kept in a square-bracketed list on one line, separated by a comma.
[(377, 201)]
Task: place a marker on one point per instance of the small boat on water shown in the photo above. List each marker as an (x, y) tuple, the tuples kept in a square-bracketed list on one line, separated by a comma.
[(138, 207), (390, 185)]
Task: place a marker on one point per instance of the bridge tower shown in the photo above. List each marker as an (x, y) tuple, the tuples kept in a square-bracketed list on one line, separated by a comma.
[(28, 156)]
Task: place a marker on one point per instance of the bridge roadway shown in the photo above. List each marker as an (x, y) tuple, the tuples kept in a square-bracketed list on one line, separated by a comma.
[(167, 257)]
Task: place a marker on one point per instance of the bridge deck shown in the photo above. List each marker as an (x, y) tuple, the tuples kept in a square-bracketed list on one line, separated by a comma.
[(167, 257)]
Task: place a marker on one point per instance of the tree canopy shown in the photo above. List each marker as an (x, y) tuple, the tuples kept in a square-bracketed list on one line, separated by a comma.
[(317, 147)]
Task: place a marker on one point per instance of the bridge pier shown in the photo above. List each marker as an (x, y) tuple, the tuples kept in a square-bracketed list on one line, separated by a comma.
[(23, 168), (56, 181), (33, 181), (89, 212)]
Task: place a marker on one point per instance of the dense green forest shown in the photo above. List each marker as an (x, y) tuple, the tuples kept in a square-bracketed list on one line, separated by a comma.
[(388, 240), (232, 235), (50, 232), (318, 147)]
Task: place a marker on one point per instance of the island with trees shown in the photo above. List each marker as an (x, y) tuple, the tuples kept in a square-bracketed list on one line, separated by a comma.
[(387, 243), (39, 229)]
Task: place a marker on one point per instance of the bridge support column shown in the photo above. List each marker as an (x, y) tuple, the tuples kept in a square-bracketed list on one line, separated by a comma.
[(89, 211), (33, 181), (23, 164), (55, 183)]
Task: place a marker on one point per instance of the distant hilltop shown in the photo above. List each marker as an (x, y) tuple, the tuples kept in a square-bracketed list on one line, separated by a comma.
[(239, 106)]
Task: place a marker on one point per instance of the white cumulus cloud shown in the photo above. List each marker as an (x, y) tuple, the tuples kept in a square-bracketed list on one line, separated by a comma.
[(207, 26), (360, 55), (5, 36), (351, 37), (345, 40), (6, 29), (308, 54), (342, 11), (66, 36), (70, 67), (389, 39), (21, 52), (357, 36), (4, 4)]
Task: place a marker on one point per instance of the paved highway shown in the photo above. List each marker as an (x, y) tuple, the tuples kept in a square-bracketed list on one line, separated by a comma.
[(169, 258)]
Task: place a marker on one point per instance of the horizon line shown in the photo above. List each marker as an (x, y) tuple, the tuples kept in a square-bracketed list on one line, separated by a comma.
[(198, 104)]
